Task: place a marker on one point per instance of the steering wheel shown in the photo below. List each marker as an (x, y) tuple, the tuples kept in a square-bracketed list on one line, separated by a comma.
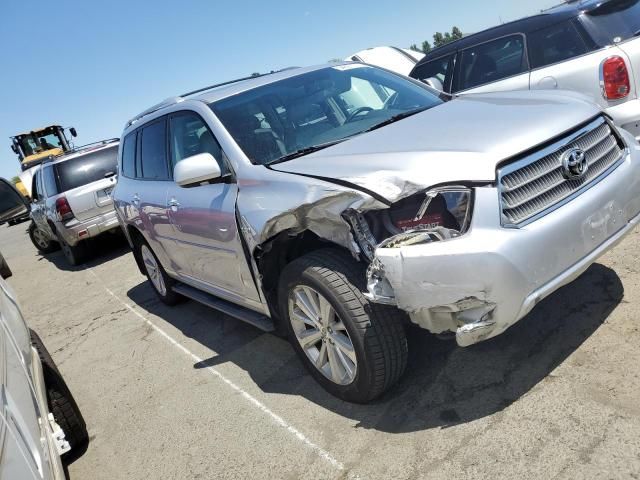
[(390, 102), (357, 112)]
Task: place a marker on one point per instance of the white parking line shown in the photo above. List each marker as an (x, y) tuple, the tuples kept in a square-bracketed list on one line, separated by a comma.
[(277, 419)]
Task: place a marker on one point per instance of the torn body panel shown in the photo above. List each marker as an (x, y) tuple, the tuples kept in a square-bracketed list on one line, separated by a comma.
[(480, 283)]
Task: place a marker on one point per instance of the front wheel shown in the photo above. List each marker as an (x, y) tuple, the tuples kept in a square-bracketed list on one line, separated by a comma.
[(355, 349)]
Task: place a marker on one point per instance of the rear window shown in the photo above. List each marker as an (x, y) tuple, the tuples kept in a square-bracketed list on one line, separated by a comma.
[(555, 44), (613, 22), (87, 168)]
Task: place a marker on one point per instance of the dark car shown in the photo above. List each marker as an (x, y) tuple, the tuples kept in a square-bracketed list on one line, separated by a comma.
[(589, 46)]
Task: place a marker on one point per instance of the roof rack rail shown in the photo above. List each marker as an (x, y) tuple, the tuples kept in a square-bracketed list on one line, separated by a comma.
[(229, 82), (174, 100), (155, 108)]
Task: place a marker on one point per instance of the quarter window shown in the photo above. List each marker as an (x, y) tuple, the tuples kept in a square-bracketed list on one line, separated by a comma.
[(154, 151), (49, 180), (190, 136), (35, 190), (555, 44), (492, 61), (129, 155), (439, 68)]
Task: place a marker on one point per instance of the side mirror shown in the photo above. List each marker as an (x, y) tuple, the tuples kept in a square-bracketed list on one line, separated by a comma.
[(13, 206), (435, 83), (196, 169), (73, 132)]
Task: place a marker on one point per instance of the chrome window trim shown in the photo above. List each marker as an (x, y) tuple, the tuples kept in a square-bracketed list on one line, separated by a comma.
[(564, 142)]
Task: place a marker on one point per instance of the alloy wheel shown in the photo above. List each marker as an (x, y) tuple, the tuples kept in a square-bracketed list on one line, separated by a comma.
[(40, 238), (322, 335), (153, 269)]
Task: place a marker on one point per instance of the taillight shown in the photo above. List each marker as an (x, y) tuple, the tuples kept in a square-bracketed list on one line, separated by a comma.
[(615, 78), (63, 208)]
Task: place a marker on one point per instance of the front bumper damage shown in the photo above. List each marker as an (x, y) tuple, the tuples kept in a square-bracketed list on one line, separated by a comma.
[(481, 283)]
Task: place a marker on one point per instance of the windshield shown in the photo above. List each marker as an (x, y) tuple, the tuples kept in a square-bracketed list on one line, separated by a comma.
[(86, 169), (316, 109), (614, 21), (39, 142)]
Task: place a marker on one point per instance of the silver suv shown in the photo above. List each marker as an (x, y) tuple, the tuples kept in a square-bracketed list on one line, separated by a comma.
[(72, 200), (336, 204)]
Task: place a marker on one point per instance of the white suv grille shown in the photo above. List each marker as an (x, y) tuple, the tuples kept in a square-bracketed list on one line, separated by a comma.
[(534, 185)]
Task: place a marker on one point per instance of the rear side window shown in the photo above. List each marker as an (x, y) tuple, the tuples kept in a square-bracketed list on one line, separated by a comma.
[(613, 21), (555, 44), (129, 155), (492, 61), (87, 168), (49, 181), (440, 69), (153, 151)]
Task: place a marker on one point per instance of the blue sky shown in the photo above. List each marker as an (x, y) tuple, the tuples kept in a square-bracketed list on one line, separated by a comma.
[(93, 65)]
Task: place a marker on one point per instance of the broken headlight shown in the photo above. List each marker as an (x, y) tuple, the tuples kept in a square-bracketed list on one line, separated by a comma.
[(439, 214), (445, 207)]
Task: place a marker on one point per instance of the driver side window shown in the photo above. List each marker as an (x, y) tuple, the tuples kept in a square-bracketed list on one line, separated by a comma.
[(189, 136)]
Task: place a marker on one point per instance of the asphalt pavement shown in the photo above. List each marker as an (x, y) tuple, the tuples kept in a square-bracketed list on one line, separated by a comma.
[(187, 393)]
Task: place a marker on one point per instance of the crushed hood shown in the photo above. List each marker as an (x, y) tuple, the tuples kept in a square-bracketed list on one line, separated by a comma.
[(462, 140)]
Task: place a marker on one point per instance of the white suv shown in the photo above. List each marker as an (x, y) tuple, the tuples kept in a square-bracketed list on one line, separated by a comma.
[(588, 46)]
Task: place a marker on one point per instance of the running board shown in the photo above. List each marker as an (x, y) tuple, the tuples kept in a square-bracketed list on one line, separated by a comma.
[(262, 322)]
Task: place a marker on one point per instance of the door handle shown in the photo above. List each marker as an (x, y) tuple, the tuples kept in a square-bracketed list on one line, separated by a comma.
[(136, 200), (173, 203)]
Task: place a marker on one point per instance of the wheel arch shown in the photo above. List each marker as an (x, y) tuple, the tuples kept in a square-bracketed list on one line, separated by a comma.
[(273, 255), (135, 237)]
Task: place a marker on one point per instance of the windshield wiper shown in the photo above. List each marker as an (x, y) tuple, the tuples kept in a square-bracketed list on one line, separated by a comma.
[(396, 118), (305, 151)]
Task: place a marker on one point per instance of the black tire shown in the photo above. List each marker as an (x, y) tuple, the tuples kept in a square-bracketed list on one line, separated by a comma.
[(377, 332), (47, 247), (5, 271), (75, 255), (168, 296), (62, 404)]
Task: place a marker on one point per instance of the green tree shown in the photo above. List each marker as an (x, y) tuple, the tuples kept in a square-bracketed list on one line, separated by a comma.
[(15, 179), (439, 39), (414, 47)]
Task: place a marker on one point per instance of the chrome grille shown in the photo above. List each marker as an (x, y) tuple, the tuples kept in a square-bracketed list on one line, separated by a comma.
[(532, 186)]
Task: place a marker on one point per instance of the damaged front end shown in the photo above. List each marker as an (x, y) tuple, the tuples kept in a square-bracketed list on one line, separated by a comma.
[(440, 215)]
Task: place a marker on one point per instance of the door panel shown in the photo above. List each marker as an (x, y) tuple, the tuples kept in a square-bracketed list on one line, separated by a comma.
[(519, 82), (203, 216), (18, 405), (208, 239)]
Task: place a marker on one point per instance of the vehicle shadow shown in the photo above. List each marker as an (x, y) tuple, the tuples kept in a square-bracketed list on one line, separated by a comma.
[(444, 385), (101, 249)]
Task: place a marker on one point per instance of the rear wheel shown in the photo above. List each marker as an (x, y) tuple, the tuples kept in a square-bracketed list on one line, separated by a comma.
[(355, 349), (41, 240), (62, 404), (76, 254), (161, 282)]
